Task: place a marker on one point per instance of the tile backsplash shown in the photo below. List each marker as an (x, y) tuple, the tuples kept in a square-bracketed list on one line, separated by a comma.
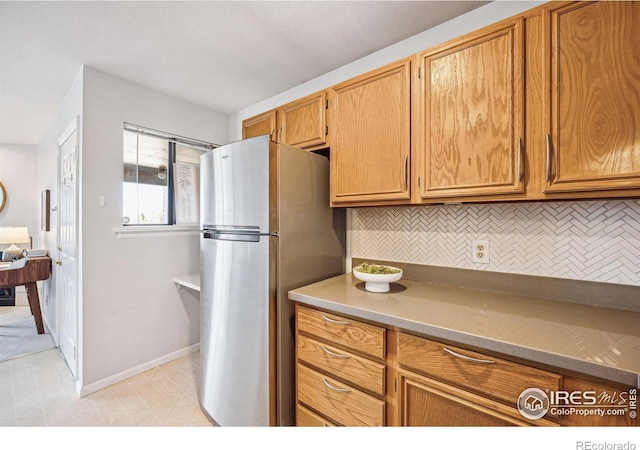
[(585, 240)]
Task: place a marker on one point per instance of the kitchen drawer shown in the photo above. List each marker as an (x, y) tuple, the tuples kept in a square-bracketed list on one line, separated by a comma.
[(341, 403), (353, 369), (501, 379), (357, 336), (307, 418)]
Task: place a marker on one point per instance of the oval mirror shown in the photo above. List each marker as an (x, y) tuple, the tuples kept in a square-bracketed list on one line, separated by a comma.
[(3, 196)]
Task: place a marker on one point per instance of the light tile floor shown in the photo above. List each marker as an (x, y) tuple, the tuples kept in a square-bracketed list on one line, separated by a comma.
[(38, 390)]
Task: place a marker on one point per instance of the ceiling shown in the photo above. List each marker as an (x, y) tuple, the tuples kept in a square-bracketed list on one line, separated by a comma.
[(224, 55)]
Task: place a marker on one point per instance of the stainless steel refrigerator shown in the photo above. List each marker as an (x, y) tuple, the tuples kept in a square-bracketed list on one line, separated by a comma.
[(267, 228)]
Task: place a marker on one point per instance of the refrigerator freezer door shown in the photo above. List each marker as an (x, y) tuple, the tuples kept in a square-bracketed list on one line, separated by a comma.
[(310, 248), (235, 329), (234, 181)]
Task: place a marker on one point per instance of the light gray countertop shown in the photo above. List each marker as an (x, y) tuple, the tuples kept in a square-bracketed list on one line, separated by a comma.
[(591, 340)]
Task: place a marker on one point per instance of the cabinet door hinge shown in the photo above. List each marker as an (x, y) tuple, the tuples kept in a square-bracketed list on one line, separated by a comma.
[(419, 73), (418, 181), (326, 104), (326, 131)]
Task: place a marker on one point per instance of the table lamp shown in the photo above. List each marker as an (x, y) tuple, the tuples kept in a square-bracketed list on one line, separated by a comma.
[(13, 236)]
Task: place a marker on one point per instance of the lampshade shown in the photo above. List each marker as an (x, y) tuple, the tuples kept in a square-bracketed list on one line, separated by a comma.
[(14, 235)]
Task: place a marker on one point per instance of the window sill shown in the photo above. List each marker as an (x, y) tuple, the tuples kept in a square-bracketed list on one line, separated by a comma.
[(149, 231)]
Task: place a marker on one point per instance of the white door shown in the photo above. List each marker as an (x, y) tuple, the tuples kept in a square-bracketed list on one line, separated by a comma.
[(67, 240)]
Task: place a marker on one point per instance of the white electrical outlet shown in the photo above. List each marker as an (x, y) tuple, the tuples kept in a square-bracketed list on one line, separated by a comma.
[(480, 252)]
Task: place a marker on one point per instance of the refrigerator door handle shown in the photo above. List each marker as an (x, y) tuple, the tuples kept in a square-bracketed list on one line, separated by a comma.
[(234, 229), (234, 233), (227, 236)]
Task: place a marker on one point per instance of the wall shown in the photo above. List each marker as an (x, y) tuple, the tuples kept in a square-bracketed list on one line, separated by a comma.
[(47, 169), (18, 174), (586, 240), (132, 311)]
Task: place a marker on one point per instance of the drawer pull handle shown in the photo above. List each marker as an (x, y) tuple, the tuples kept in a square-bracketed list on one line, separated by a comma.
[(326, 383), (468, 358), (339, 322), (337, 355)]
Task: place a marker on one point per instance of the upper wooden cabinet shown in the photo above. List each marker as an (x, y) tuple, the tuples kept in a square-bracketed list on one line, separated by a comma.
[(370, 137), (593, 84), (303, 123), (264, 123), (540, 106), (470, 123)]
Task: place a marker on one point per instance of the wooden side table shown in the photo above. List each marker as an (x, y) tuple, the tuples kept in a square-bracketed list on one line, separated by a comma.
[(36, 269)]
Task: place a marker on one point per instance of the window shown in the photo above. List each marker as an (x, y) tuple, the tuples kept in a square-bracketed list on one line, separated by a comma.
[(149, 186)]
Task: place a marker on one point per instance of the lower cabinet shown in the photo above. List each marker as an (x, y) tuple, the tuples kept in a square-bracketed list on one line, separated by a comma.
[(353, 373), (426, 402), (338, 401), (444, 385), (614, 401), (340, 370), (307, 418)]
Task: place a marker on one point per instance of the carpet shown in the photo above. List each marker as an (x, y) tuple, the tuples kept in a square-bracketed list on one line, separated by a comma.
[(18, 335)]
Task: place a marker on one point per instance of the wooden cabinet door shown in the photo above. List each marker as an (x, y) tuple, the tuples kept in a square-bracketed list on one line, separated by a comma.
[(471, 115), (264, 123), (302, 123), (618, 404), (370, 137), (426, 402), (594, 115)]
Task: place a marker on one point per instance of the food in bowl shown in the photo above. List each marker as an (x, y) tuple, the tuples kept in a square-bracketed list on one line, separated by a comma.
[(376, 276), (376, 269)]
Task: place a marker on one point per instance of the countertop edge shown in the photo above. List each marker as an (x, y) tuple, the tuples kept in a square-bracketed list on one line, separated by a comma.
[(588, 368)]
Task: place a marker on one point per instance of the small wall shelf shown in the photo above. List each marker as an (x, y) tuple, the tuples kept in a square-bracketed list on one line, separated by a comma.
[(191, 281)]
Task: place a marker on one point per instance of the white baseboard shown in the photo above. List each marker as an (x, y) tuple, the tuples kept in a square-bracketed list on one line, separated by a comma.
[(113, 379)]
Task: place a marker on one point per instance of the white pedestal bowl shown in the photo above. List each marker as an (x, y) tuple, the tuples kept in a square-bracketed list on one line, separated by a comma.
[(377, 282)]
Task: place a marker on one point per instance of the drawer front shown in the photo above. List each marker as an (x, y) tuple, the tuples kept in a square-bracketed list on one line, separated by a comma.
[(353, 369), (341, 403), (358, 336), (307, 418), (501, 379)]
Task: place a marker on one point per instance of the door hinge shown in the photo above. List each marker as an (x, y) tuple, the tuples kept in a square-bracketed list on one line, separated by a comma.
[(326, 104), (419, 73), (74, 352), (418, 181)]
